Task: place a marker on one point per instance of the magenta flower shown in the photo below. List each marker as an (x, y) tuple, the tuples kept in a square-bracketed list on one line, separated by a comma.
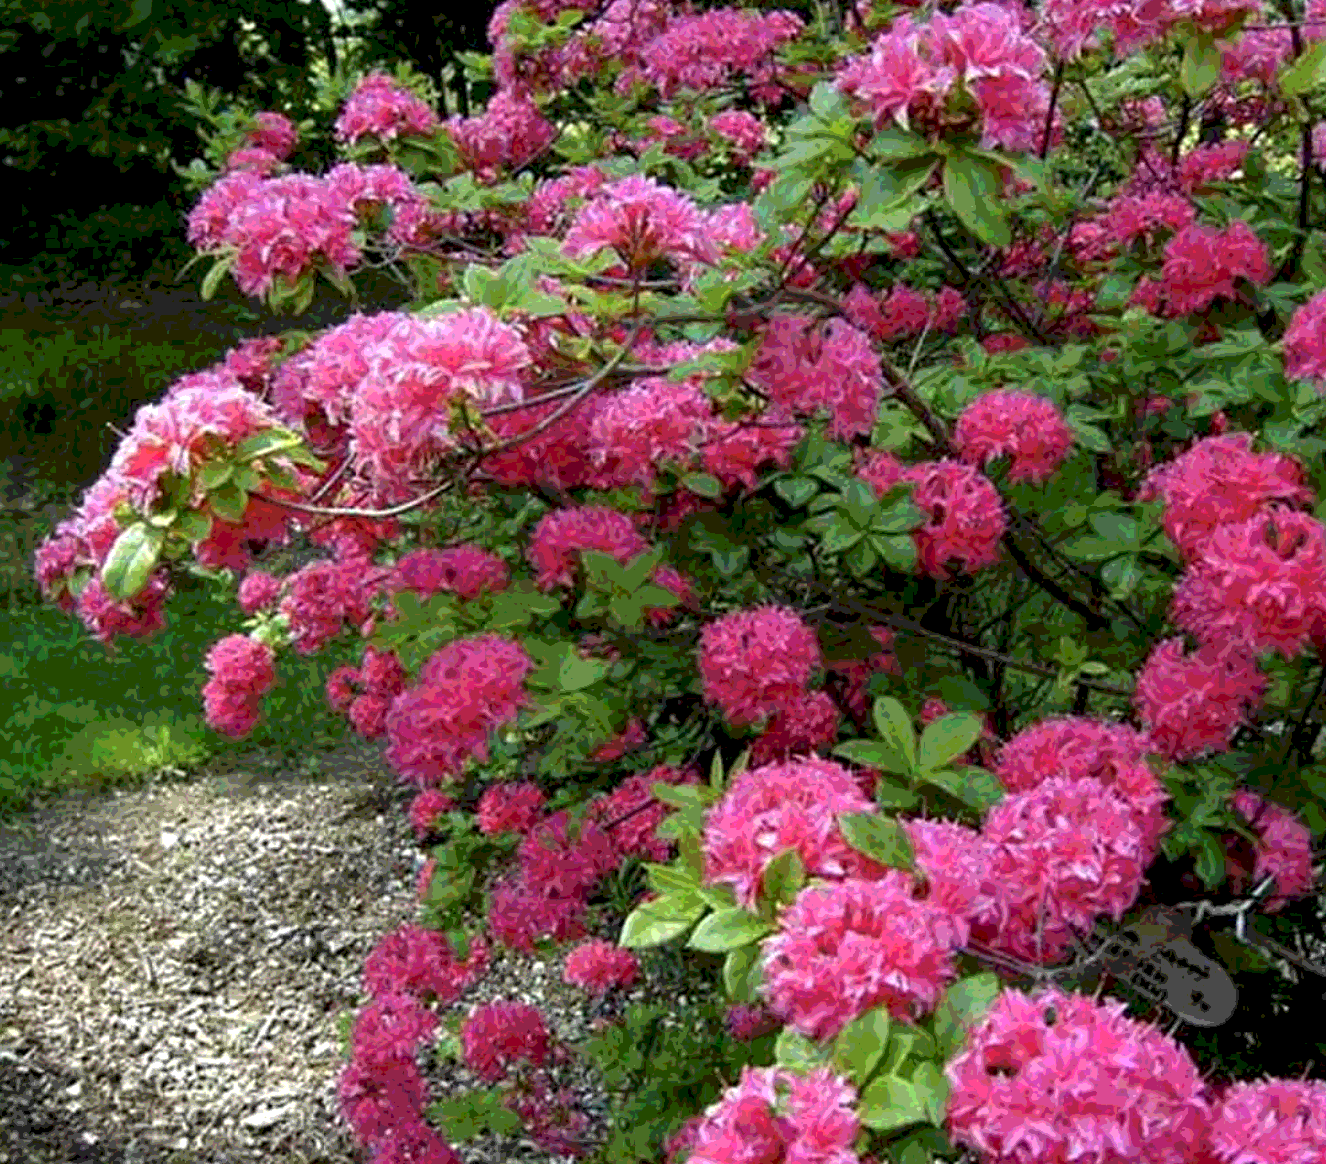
[(598, 966), (1079, 748), (1063, 853), (1284, 849), (1271, 1121), (508, 807), (784, 806), (498, 1035), (1056, 1078), (1192, 704), (643, 222), (384, 108), (1021, 425), (756, 662), (773, 1113), (1258, 584), (1305, 341), (422, 962), (1220, 481), (846, 948)]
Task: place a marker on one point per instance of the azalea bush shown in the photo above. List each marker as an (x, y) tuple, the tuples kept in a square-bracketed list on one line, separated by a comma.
[(818, 480)]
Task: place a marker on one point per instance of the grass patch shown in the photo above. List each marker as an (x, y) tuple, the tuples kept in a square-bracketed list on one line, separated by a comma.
[(76, 716)]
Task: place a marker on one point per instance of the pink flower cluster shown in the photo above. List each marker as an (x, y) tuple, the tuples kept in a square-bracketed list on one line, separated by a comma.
[(426, 808), (242, 673), (562, 535), (465, 690), (1284, 849), (1081, 748), (1191, 704), (1221, 481), (271, 140), (258, 591), (400, 415), (705, 51), (964, 518), (366, 692), (643, 222), (499, 1035), (631, 815), (509, 807), (1023, 1091), (465, 570), (278, 228), (509, 134), (384, 108), (803, 367), (799, 728), (1258, 585), (1202, 265), (1021, 425), (773, 1113), (904, 311), (793, 805), (1305, 342), (314, 388), (757, 662), (382, 1091), (598, 966), (912, 72), (845, 948), (322, 597)]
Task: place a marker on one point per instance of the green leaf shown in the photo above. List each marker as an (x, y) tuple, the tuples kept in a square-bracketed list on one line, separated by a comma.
[(1210, 859), (1305, 73), (889, 1103), (860, 559), (703, 484), (947, 738), (659, 921), (193, 527), (213, 278), (880, 838), (683, 795), (895, 729), (893, 143), (841, 537), (793, 1049), (860, 1045), (666, 879), (214, 473), (898, 552), (964, 1004), (891, 795), (576, 673), (1201, 65), (229, 503), (727, 929), (741, 973), (262, 444), (976, 787), (131, 560), (796, 491), (874, 754), (972, 188), (782, 881)]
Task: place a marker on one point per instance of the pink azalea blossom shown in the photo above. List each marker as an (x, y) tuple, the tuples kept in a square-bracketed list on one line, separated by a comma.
[(1022, 1090), (757, 662), (845, 948), (1021, 425), (1192, 704)]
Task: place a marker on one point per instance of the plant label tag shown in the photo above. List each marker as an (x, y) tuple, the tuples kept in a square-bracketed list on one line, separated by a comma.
[(1167, 968)]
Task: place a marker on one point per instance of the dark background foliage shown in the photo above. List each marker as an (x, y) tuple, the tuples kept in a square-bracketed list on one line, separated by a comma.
[(91, 116)]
